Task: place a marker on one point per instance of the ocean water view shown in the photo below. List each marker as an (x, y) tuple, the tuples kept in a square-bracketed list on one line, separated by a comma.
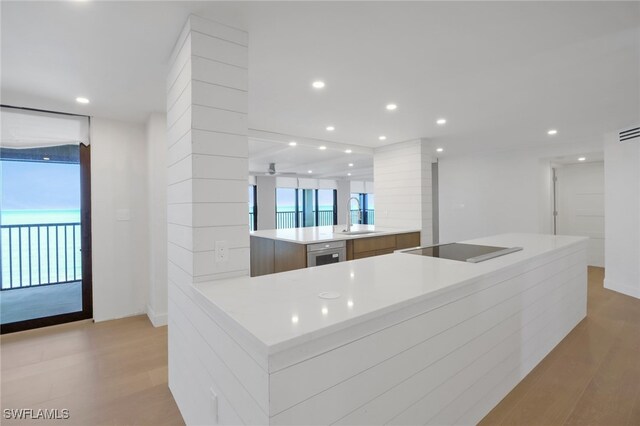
[(31, 217)]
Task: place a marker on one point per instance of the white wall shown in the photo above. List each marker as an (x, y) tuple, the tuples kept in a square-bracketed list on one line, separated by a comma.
[(344, 193), (492, 193), (266, 201), (207, 196), (119, 218), (402, 176), (156, 148), (622, 216)]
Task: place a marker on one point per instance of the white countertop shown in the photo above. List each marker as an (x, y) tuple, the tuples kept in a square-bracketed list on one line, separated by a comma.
[(279, 310), (317, 234)]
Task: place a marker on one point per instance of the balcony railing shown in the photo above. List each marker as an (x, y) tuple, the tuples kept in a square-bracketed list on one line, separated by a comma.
[(368, 217), (288, 219), (39, 254)]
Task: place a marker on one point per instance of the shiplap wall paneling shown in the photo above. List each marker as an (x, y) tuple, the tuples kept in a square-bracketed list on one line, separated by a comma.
[(415, 370), (402, 176), (207, 106)]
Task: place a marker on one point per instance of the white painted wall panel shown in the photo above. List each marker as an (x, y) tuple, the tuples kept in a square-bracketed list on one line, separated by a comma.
[(217, 143), (206, 202), (402, 176), (179, 149), (622, 216), (180, 128), (221, 50), (212, 71), (217, 167), (219, 30), (213, 95), (119, 248), (179, 86), (344, 372), (220, 214), (252, 377), (218, 120)]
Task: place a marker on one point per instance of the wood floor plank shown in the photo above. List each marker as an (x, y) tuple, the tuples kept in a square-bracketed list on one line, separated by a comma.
[(606, 400), (110, 373)]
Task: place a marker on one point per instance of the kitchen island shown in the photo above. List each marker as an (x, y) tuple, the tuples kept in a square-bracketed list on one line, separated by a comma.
[(281, 250), (398, 338)]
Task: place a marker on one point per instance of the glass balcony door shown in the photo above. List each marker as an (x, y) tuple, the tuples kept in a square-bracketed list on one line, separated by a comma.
[(45, 237), (297, 207)]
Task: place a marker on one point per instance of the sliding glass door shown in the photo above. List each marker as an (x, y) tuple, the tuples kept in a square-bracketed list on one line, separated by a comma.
[(297, 207), (45, 236)]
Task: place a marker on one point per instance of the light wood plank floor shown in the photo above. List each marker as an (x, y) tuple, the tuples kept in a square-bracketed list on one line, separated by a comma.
[(115, 373), (108, 373)]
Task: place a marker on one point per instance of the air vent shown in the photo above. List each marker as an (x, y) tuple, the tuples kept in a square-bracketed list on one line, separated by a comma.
[(630, 134)]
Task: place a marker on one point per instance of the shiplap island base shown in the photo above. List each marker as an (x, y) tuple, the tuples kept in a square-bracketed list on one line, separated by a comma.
[(408, 339)]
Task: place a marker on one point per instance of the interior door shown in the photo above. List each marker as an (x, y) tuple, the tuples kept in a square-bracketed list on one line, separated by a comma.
[(580, 206)]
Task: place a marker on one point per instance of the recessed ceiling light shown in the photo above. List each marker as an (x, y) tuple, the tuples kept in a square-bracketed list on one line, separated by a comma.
[(382, 138), (582, 158), (348, 174), (325, 310), (330, 128), (294, 319), (293, 143), (350, 164), (350, 303), (309, 171), (45, 158), (552, 132), (82, 100), (440, 149), (318, 84), (348, 151), (391, 107), (441, 121), (322, 148)]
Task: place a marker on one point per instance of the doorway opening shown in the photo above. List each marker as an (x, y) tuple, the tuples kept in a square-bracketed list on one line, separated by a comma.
[(45, 225), (578, 203)]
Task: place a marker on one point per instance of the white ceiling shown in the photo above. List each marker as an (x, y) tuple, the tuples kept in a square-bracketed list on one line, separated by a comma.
[(502, 73)]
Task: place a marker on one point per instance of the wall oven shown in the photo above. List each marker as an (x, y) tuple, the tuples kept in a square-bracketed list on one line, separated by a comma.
[(326, 253)]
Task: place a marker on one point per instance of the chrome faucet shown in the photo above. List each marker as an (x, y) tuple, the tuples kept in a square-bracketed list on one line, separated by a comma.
[(349, 213)]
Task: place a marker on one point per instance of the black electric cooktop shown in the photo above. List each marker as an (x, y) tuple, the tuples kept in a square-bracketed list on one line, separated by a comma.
[(463, 252)]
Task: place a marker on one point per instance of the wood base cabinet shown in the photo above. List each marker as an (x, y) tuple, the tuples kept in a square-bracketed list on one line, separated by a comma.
[(271, 256), (377, 246)]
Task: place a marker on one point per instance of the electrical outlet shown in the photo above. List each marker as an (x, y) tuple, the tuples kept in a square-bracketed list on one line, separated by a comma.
[(222, 251), (214, 405)]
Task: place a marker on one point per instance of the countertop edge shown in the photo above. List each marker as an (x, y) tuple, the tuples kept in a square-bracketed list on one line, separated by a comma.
[(442, 292)]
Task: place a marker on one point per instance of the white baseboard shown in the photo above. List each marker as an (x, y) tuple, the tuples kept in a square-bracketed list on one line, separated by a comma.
[(158, 320), (622, 288)]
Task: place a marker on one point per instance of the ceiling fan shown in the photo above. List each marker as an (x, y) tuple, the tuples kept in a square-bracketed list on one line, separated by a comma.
[(272, 171)]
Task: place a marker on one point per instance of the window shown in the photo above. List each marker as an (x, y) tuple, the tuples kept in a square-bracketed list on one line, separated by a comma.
[(327, 212), (296, 208), (366, 214), (253, 209)]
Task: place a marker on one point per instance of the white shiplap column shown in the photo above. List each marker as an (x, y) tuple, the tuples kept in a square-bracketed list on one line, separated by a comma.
[(402, 175), (206, 199), (207, 137)]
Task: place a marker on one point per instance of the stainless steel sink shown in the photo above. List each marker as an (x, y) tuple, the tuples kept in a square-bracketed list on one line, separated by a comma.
[(358, 232)]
